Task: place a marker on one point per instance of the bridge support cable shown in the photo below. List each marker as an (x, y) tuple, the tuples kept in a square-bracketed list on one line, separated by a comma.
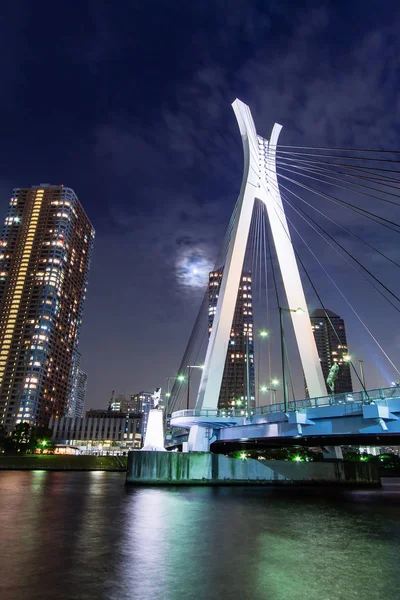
[(337, 287), (302, 171), (342, 157), (200, 327), (265, 252), (250, 264), (340, 292), (199, 332), (309, 221), (289, 369), (347, 189), (359, 238), (350, 155), (343, 296), (258, 277), (342, 247), (380, 176), (332, 149), (324, 309), (353, 207), (362, 211), (284, 353), (365, 173), (255, 268), (284, 349)]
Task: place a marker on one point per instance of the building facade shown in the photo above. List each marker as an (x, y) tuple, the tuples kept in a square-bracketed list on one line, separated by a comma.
[(78, 392), (99, 432), (76, 401), (142, 403), (73, 382), (46, 247), (241, 344), (330, 349), (81, 393)]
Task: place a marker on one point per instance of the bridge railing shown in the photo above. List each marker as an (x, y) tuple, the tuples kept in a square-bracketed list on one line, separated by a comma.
[(335, 399), (380, 394), (229, 412)]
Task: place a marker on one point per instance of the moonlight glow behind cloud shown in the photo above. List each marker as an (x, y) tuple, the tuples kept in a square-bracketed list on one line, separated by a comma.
[(192, 268)]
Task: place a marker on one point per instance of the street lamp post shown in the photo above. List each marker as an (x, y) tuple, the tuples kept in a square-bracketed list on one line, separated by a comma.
[(274, 383), (190, 367), (180, 378), (248, 401), (285, 393), (262, 334), (362, 372), (264, 388), (285, 399)]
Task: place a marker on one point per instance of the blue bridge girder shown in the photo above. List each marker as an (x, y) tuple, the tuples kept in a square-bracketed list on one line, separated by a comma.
[(369, 415)]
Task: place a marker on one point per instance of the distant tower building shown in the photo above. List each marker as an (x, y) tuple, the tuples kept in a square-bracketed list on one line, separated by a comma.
[(72, 397), (241, 345), (78, 388), (45, 251), (73, 382), (81, 393), (330, 349), (78, 393)]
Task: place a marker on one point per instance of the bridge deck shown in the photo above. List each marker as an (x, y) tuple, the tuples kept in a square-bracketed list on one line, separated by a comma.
[(372, 413)]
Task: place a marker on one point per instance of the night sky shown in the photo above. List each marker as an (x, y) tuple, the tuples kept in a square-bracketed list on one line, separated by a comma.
[(128, 103)]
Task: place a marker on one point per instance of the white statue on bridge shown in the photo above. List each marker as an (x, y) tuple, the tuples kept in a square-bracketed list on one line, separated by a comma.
[(332, 376), (157, 397)]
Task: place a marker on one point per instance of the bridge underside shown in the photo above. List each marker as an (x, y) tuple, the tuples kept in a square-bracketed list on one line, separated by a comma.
[(334, 421)]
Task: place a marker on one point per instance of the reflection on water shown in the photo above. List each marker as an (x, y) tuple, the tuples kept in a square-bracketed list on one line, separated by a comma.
[(85, 535)]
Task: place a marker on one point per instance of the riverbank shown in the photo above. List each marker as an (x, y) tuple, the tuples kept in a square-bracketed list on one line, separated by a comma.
[(53, 462)]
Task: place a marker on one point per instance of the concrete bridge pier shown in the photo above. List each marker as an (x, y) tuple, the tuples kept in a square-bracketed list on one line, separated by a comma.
[(332, 452), (204, 468), (200, 438)]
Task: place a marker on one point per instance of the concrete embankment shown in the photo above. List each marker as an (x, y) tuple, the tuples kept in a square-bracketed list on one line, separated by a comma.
[(49, 462), (198, 468)]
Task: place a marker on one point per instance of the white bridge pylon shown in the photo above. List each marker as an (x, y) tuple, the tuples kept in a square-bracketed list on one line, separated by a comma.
[(259, 182)]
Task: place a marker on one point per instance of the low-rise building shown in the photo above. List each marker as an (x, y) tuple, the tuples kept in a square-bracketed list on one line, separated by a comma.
[(99, 432)]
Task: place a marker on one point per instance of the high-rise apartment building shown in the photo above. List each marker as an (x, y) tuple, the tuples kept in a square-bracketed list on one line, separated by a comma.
[(332, 348), (46, 247), (241, 345)]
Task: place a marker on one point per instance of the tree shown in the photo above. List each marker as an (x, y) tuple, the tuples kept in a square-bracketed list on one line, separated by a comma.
[(40, 439), (21, 436), (3, 439)]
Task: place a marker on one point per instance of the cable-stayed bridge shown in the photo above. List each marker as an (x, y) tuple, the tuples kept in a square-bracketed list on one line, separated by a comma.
[(259, 238)]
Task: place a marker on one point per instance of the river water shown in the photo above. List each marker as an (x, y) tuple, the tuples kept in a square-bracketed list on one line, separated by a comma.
[(86, 535)]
